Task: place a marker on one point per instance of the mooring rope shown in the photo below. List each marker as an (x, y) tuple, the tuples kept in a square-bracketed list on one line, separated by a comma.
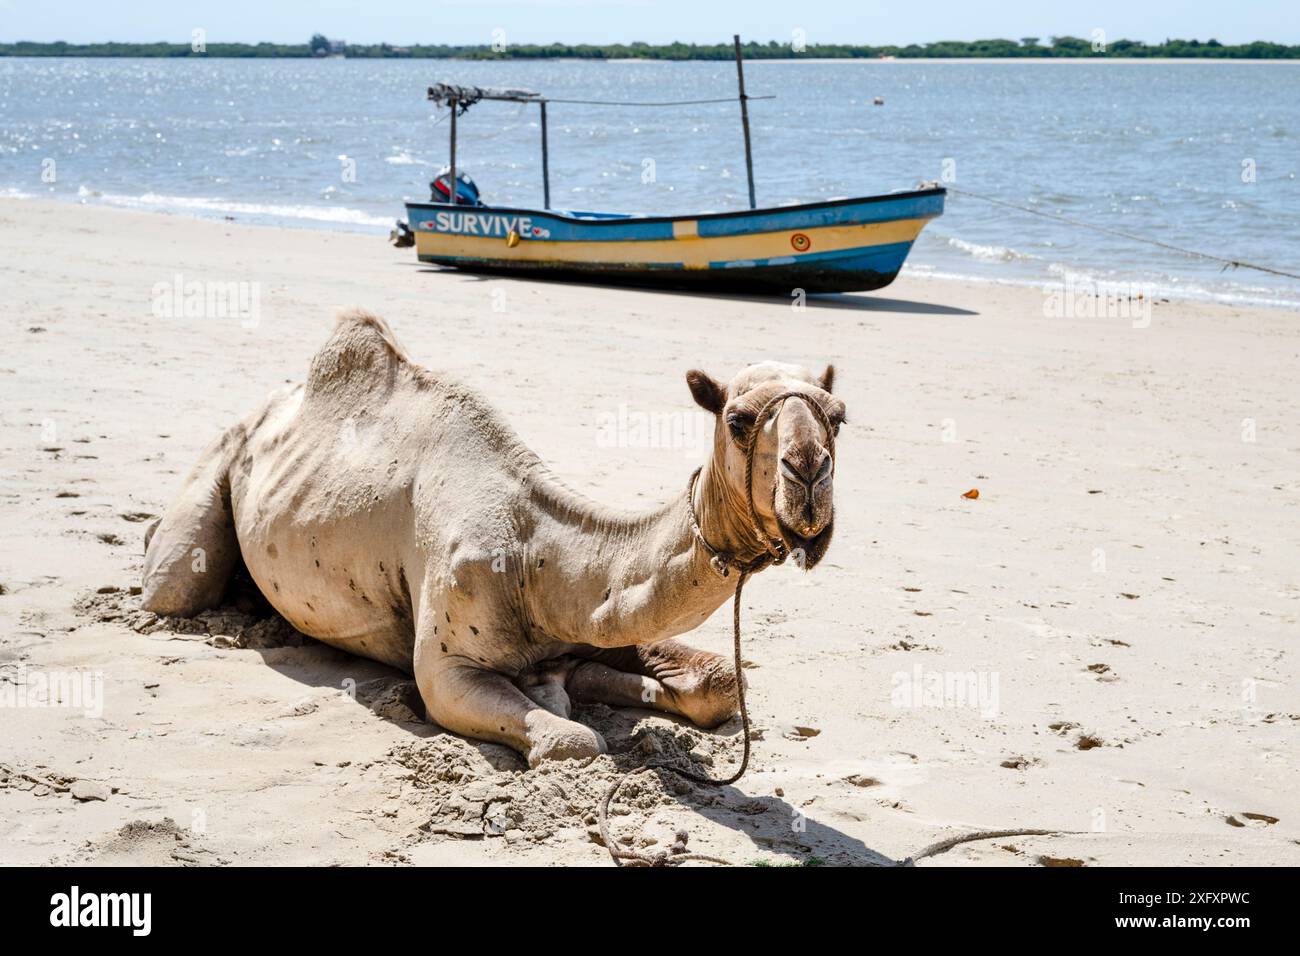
[(1194, 253), (721, 99)]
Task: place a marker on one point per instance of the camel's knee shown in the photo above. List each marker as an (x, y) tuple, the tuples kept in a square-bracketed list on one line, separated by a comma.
[(191, 553), (559, 739), (187, 573)]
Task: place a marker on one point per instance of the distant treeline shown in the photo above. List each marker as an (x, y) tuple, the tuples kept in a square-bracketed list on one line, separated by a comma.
[(1026, 47)]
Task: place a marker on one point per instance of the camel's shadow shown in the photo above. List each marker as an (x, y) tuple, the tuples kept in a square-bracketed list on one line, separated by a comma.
[(635, 736), (772, 825)]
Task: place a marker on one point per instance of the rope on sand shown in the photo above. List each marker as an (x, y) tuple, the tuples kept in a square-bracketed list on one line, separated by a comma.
[(943, 846), (1228, 263), (622, 857), (773, 552)]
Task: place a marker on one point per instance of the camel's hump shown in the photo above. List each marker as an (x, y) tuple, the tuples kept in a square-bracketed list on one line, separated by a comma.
[(361, 353)]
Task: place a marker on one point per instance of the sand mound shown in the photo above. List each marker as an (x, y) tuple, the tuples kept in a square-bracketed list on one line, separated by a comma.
[(475, 790), (149, 843), (237, 625), (144, 843)]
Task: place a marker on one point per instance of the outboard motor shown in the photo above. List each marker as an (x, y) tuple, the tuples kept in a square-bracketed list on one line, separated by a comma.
[(466, 190)]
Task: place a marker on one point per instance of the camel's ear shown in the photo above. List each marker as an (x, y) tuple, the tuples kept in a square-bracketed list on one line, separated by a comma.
[(828, 378), (708, 394)]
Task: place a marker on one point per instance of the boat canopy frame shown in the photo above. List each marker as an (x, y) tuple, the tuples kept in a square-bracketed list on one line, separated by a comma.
[(459, 98)]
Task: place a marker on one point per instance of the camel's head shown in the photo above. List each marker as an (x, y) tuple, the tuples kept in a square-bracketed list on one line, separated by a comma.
[(793, 470)]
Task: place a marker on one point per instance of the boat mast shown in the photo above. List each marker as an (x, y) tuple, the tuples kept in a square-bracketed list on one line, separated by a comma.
[(744, 119), (451, 198), (546, 163)]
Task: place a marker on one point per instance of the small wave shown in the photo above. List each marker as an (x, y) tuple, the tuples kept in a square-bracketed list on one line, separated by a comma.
[(10, 192), (990, 253), (403, 158), (336, 214), (1170, 289)]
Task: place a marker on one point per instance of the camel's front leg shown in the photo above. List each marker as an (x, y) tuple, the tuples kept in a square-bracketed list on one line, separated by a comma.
[(485, 704), (669, 676)]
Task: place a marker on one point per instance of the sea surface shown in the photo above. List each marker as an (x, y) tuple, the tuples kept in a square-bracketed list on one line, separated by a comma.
[(1196, 154)]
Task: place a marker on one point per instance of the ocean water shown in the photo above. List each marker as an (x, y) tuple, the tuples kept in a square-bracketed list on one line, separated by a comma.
[(1204, 155)]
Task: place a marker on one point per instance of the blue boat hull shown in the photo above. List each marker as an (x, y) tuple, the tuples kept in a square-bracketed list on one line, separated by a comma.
[(836, 246)]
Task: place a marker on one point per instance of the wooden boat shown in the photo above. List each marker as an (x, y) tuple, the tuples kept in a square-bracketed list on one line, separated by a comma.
[(840, 245)]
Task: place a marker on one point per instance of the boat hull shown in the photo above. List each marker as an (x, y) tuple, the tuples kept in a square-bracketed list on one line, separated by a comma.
[(842, 245)]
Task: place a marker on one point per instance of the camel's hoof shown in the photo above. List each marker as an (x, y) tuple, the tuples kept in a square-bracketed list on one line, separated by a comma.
[(574, 742)]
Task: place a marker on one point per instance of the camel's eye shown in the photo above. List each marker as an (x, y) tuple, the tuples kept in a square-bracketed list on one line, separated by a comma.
[(739, 423), (836, 417)]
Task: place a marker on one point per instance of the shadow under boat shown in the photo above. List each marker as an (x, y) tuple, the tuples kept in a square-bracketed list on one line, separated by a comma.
[(854, 302)]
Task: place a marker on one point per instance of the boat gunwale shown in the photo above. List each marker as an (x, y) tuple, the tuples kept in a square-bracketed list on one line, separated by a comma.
[(734, 214)]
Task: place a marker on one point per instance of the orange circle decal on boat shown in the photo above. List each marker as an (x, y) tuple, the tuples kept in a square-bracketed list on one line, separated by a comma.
[(800, 242)]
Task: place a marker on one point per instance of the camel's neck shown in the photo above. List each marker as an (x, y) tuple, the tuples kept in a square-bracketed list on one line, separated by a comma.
[(644, 579)]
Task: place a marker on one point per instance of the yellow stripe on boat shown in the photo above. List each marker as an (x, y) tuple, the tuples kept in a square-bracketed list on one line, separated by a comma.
[(687, 248)]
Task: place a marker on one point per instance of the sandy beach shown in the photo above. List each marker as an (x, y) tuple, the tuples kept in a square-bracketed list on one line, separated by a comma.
[(1123, 592)]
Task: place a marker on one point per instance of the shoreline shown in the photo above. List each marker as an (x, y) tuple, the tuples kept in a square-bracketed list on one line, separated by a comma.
[(344, 221), (633, 59)]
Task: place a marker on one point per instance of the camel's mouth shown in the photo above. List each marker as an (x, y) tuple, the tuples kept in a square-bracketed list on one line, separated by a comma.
[(807, 552)]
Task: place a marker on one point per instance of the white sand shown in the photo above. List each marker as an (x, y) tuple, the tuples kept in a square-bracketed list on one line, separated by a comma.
[(1179, 576)]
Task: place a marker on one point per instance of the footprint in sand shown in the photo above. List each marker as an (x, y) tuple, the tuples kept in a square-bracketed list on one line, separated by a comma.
[(800, 733), (1257, 820), (859, 780), (1020, 763), (1062, 728)]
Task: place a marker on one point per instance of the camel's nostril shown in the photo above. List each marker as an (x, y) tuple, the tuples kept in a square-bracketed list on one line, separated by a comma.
[(791, 471), (823, 472), (807, 475)]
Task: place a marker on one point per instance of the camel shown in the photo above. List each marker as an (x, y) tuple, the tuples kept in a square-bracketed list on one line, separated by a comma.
[(389, 511)]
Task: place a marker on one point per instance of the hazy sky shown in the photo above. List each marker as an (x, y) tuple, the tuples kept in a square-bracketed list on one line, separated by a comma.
[(655, 21)]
